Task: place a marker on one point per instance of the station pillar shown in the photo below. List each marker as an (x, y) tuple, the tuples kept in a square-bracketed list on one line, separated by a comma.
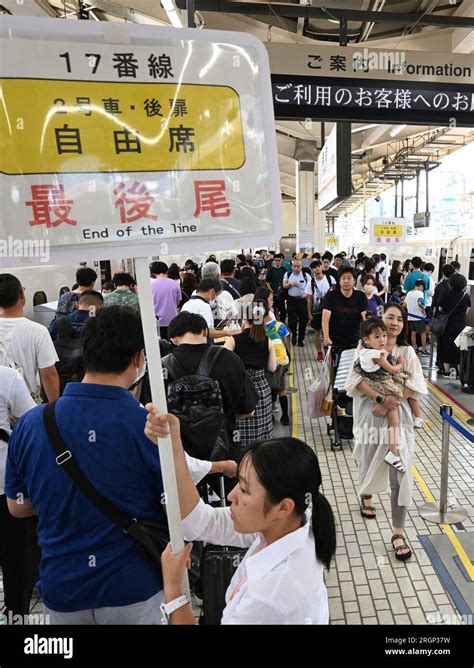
[(320, 230), (305, 206)]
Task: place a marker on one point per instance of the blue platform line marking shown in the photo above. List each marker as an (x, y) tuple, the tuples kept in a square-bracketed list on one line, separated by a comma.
[(447, 580)]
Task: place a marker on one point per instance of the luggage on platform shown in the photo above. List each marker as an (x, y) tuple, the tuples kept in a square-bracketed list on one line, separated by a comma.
[(218, 565)]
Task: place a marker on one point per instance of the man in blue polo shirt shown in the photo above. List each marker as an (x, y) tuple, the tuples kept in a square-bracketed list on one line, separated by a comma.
[(91, 572)]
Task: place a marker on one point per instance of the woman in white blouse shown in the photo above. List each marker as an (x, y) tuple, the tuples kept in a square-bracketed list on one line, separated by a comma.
[(280, 580), (370, 436)]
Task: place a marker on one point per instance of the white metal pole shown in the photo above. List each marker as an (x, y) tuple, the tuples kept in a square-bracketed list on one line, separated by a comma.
[(158, 394), (430, 511), (443, 490)]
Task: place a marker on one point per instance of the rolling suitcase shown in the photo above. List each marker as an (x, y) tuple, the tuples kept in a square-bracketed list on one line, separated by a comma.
[(466, 368), (218, 565)]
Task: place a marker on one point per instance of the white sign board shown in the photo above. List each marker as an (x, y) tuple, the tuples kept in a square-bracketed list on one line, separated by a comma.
[(327, 170), (127, 140), (387, 231), (332, 242), (356, 62)]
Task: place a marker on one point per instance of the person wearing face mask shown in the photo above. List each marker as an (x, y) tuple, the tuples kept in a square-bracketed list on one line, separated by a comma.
[(375, 302), (91, 572), (200, 303)]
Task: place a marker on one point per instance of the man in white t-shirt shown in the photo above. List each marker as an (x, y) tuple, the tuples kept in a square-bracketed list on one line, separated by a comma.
[(428, 269), (15, 401), (315, 290), (381, 267), (206, 292), (26, 345), (415, 304), (224, 307)]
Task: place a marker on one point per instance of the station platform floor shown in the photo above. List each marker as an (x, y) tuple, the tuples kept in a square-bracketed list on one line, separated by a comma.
[(367, 585)]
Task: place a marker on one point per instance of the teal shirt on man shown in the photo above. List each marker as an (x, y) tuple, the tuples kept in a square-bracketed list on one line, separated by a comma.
[(412, 277)]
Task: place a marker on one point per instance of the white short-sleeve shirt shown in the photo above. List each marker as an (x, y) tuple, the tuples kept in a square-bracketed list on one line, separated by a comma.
[(28, 344), (321, 287), (15, 401), (201, 307), (366, 355), (281, 583)]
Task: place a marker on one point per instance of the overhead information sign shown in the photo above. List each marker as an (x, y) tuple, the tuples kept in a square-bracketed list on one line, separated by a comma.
[(332, 242), (387, 231), (327, 171), (363, 63), (334, 167), (343, 83), (128, 140)]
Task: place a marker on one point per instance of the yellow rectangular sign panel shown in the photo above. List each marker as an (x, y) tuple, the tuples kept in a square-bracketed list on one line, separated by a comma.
[(332, 241), (55, 126), (388, 230)]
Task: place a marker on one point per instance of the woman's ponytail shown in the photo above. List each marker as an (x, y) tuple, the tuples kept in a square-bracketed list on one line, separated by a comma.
[(324, 529), (288, 468)]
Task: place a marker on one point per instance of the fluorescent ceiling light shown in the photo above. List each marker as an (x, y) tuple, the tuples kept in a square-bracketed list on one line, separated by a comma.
[(397, 129), (364, 127), (173, 13)]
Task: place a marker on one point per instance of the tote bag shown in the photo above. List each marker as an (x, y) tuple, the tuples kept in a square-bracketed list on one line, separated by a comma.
[(318, 391)]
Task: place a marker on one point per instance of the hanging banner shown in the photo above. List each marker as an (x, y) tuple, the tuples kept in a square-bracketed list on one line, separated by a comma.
[(387, 231), (132, 142)]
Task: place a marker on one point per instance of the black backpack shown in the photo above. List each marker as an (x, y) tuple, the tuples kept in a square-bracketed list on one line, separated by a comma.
[(197, 401), (68, 348), (69, 304)]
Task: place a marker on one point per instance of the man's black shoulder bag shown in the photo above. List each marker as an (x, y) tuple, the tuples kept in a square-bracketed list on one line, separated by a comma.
[(150, 538)]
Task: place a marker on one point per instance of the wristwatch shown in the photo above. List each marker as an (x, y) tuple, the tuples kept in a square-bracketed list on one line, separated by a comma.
[(168, 608), (379, 399)]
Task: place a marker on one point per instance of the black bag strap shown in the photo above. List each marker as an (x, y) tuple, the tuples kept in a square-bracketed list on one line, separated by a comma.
[(65, 459), (232, 287), (173, 366), (208, 360), (4, 436), (455, 306)]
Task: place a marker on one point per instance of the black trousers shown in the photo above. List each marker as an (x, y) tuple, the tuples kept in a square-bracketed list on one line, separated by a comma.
[(16, 561), (280, 306), (297, 317)]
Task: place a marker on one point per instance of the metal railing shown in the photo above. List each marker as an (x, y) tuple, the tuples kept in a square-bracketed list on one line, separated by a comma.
[(431, 511)]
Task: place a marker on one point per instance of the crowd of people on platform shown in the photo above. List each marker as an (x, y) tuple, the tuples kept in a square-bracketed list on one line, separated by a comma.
[(228, 331)]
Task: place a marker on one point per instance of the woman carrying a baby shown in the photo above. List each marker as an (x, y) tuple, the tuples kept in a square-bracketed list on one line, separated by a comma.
[(386, 381)]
